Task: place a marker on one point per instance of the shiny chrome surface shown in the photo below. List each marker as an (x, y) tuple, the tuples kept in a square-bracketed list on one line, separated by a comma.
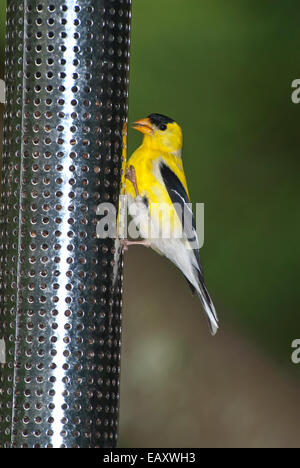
[(60, 313)]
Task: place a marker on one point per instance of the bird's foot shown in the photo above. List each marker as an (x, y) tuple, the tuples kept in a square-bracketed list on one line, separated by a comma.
[(127, 243), (131, 175)]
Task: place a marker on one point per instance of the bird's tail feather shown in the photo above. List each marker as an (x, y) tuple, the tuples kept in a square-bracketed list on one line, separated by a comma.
[(196, 282), (208, 305)]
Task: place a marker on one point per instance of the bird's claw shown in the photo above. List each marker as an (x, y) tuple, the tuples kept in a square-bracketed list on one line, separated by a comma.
[(126, 243), (131, 175)]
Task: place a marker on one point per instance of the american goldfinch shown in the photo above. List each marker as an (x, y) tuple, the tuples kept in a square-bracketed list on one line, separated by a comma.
[(157, 192)]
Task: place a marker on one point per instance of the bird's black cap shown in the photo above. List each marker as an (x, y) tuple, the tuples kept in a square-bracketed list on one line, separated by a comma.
[(158, 119)]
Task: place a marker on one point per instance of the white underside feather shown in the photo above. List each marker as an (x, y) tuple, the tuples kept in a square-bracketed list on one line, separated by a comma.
[(177, 251)]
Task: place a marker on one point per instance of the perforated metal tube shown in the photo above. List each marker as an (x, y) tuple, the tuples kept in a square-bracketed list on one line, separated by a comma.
[(67, 68)]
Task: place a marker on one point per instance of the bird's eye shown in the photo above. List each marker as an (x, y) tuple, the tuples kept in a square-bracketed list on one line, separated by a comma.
[(163, 127)]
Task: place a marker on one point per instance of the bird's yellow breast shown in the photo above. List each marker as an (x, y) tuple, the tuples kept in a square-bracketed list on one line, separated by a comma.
[(149, 181), (150, 184)]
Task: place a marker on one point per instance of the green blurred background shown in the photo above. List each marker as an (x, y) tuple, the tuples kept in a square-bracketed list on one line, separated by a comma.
[(223, 70)]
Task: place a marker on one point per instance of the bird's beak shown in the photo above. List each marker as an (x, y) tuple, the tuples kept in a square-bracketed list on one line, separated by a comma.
[(143, 126)]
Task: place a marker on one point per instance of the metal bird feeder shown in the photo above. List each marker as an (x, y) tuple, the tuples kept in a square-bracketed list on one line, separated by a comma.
[(67, 66)]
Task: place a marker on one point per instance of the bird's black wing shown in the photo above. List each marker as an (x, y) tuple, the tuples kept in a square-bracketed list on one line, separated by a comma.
[(181, 201)]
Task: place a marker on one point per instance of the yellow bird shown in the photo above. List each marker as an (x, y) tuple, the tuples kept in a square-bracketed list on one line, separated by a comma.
[(159, 203)]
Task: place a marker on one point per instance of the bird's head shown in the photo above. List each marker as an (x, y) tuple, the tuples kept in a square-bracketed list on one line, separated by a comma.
[(160, 133)]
